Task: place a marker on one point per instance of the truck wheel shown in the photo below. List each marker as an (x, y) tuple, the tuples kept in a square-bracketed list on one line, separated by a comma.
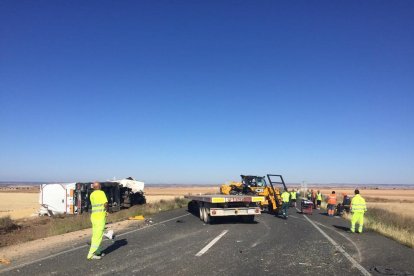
[(201, 213), (206, 216), (192, 207)]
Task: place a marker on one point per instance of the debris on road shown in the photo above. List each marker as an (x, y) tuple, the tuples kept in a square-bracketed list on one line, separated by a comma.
[(136, 218), (4, 261), (389, 271)]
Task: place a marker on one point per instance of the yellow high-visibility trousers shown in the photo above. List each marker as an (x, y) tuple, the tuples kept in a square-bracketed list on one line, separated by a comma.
[(98, 228), (357, 217)]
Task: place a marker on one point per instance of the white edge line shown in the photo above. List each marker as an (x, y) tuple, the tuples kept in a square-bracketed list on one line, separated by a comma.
[(339, 248), (337, 232), (210, 244), (345, 237), (83, 246)]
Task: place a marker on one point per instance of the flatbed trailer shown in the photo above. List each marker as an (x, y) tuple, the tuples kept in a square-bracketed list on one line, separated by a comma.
[(218, 205)]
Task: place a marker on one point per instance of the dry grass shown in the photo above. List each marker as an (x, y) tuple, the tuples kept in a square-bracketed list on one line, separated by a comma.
[(181, 190), (18, 205), (397, 227), (7, 225), (387, 194), (20, 189), (392, 199), (397, 209)]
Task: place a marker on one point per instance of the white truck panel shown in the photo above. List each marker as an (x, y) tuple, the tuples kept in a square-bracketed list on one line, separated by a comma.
[(134, 185), (53, 197)]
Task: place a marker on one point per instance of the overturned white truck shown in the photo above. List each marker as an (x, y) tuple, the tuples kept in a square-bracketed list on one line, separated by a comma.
[(73, 198)]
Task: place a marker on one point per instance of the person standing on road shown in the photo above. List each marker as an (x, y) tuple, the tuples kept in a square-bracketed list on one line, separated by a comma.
[(331, 204), (313, 198), (309, 195), (318, 200), (293, 198), (358, 209), (285, 203), (99, 204), (346, 203)]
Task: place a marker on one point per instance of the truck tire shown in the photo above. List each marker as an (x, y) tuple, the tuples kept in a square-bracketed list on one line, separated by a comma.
[(201, 213), (206, 216), (192, 207)]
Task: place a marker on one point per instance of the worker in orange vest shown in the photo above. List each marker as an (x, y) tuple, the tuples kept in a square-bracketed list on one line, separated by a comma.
[(331, 204)]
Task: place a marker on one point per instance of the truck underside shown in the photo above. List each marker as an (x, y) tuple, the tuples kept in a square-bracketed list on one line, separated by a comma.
[(118, 196)]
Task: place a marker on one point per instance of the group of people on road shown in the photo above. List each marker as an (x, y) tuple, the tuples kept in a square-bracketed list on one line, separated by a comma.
[(316, 198), (99, 204), (356, 205), (288, 200)]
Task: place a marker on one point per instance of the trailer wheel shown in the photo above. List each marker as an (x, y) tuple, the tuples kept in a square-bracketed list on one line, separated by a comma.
[(192, 207), (201, 213), (206, 216)]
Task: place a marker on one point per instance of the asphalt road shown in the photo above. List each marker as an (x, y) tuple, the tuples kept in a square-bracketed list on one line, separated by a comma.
[(178, 243)]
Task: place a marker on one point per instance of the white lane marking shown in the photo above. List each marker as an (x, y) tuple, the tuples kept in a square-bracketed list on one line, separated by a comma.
[(83, 246), (339, 233), (350, 240), (210, 244), (340, 249)]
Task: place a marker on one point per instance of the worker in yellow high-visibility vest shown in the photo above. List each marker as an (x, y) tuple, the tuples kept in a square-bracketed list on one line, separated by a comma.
[(99, 204), (358, 209), (318, 200), (293, 198), (285, 203)]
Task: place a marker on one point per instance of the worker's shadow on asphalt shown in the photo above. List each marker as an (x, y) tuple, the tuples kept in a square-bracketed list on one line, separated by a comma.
[(324, 214), (343, 228), (117, 244)]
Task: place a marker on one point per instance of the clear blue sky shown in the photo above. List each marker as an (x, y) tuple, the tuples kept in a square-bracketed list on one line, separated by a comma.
[(202, 91)]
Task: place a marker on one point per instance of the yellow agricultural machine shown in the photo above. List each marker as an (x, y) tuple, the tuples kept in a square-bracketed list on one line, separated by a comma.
[(257, 186)]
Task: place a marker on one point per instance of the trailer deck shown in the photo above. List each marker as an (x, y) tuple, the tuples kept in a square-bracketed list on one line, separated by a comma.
[(218, 198)]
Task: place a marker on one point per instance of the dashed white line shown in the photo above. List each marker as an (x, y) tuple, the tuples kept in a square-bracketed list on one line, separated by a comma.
[(210, 244), (340, 249)]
